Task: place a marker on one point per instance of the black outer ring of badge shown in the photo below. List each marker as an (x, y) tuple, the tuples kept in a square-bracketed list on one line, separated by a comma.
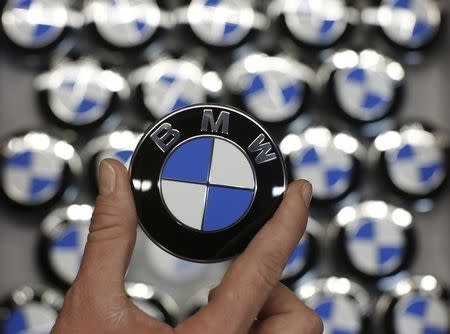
[(332, 97), (184, 242), (67, 180), (383, 172), (385, 306), (338, 236), (43, 49)]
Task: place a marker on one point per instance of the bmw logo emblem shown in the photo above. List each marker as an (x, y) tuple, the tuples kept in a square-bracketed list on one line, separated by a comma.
[(221, 23), (205, 179), (410, 23), (37, 24), (319, 23), (80, 93), (123, 23)]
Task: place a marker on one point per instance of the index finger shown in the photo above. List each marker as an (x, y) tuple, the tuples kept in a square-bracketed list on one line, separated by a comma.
[(250, 280)]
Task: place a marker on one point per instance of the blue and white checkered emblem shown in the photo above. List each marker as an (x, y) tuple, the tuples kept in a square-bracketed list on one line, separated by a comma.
[(327, 168), (221, 22), (421, 315), (375, 246), (34, 23), (273, 95), (172, 84), (80, 97), (413, 23), (208, 183), (339, 314), (364, 94), (319, 22), (32, 318), (32, 177), (416, 169), (66, 250), (298, 258), (125, 23)]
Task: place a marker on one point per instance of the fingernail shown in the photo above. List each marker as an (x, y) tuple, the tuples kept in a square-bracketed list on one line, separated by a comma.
[(307, 193), (106, 179)]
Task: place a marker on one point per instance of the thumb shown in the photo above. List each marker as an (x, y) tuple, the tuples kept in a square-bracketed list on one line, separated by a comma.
[(112, 234)]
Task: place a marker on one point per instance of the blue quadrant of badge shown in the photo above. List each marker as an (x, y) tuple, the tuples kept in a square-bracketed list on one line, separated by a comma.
[(218, 205)]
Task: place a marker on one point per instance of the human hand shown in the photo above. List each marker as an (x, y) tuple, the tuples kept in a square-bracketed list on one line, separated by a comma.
[(250, 298)]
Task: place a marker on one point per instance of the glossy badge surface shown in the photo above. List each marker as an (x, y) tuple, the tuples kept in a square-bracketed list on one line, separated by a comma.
[(205, 179)]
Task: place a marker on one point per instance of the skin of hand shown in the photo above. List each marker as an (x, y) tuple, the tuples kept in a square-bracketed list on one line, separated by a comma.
[(97, 303)]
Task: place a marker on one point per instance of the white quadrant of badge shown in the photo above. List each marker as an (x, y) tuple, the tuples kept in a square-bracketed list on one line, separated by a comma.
[(364, 93), (321, 22), (208, 183), (375, 246), (339, 313), (34, 23), (31, 318), (421, 314)]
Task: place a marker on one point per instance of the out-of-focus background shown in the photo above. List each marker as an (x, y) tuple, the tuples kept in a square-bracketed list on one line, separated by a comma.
[(423, 97)]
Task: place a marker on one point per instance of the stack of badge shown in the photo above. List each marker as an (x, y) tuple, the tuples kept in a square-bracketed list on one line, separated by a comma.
[(160, 306), (30, 310), (306, 254), (80, 94), (342, 305), (373, 238), (365, 86), (331, 162), (126, 24), (65, 231), (36, 25), (118, 145), (416, 305), (221, 23), (413, 160), (411, 24), (320, 24), (38, 169), (273, 89), (169, 84)]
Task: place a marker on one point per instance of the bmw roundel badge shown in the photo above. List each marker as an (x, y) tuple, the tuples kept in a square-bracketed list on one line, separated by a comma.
[(205, 179)]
